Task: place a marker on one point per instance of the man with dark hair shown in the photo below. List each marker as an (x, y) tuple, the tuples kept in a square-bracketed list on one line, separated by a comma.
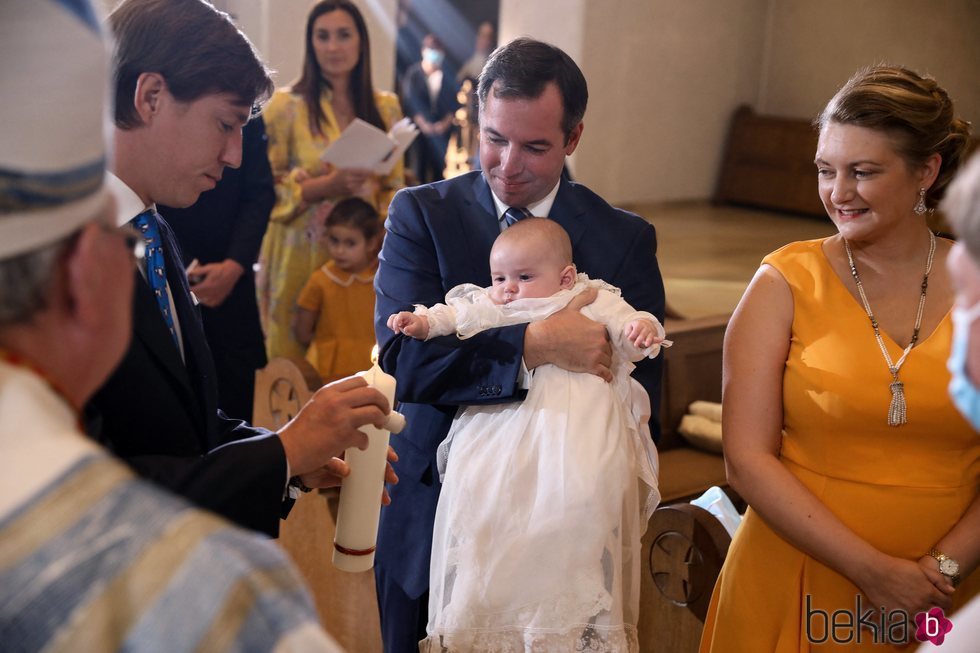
[(93, 558), (188, 93), (532, 100), (196, 48)]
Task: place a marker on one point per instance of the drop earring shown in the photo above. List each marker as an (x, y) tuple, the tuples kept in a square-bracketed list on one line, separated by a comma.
[(920, 206)]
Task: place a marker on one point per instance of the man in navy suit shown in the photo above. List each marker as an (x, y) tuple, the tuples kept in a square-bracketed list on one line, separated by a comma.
[(532, 101), (185, 82)]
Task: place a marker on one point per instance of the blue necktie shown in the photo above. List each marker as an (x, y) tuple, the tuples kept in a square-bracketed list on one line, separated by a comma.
[(515, 214), (156, 271)]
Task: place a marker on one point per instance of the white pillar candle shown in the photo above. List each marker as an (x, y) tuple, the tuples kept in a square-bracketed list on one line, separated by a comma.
[(360, 493)]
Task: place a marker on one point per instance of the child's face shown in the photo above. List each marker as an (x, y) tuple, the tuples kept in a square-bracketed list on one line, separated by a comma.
[(520, 271), (349, 249)]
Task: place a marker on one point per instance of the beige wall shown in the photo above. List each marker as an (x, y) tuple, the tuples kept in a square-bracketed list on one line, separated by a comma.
[(658, 70), (816, 46), (661, 95), (665, 76)]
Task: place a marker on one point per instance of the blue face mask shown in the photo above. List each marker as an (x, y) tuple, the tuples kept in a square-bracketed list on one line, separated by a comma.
[(965, 395), (433, 56)]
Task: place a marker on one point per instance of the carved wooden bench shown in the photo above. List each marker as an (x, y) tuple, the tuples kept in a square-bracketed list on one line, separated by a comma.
[(346, 602), (692, 372), (683, 551)]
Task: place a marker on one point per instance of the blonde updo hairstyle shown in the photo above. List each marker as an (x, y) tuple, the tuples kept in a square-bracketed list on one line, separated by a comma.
[(913, 110)]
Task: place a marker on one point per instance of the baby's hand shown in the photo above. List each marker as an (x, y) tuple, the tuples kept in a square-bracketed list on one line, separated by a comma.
[(416, 326), (643, 333)]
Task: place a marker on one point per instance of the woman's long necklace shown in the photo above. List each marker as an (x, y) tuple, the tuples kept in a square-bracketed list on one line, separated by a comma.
[(896, 410)]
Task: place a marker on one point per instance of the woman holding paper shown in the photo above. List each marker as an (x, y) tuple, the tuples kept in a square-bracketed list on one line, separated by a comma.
[(334, 88)]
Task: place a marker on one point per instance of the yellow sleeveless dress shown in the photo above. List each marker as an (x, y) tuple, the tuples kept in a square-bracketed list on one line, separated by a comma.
[(899, 488)]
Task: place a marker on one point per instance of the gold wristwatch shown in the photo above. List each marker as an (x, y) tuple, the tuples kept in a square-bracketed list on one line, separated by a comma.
[(947, 566)]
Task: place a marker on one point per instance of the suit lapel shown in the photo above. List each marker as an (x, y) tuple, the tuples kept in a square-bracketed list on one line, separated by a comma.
[(569, 213), (197, 355), (476, 227), (150, 329), (482, 214)]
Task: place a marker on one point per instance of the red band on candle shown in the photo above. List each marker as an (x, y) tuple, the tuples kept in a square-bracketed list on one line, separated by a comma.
[(354, 552)]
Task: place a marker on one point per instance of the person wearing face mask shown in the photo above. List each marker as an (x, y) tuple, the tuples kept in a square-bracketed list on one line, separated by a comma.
[(862, 479), (962, 208), (429, 92)]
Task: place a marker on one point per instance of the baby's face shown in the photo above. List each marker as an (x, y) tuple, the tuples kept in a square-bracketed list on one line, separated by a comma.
[(520, 271)]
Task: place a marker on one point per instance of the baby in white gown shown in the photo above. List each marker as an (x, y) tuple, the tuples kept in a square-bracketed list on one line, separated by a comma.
[(536, 543)]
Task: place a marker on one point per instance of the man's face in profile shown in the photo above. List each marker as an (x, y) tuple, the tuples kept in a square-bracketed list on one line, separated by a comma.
[(193, 142), (522, 145)]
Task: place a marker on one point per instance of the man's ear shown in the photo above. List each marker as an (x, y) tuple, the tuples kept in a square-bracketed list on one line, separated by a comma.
[(568, 277), (150, 88), (571, 141)]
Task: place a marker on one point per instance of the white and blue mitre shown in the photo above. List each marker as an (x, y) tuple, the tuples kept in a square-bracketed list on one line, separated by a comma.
[(52, 125)]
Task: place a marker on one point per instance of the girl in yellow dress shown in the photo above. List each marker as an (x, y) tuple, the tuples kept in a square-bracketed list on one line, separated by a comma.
[(861, 476), (334, 88), (335, 310)]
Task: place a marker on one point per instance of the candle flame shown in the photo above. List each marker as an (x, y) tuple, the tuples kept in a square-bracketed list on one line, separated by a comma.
[(374, 355)]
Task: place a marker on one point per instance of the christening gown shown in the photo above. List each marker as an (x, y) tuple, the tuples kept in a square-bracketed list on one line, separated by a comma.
[(899, 488), (536, 544)]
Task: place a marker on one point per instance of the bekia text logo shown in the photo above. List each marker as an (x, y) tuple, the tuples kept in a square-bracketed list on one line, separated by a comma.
[(932, 626), (879, 626)]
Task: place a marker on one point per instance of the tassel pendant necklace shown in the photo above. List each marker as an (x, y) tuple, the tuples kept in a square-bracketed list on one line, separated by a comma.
[(897, 414)]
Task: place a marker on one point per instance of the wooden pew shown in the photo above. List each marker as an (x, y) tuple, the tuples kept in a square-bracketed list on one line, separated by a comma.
[(346, 602), (683, 551), (692, 372)]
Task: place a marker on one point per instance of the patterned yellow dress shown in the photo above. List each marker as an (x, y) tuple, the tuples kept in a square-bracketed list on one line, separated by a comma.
[(289, 255), (899, 488)]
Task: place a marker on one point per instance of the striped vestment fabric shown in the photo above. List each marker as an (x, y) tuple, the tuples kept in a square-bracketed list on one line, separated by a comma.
[(101, 561)]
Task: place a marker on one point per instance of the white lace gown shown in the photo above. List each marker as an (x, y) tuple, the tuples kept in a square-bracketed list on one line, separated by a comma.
[(536, 544)]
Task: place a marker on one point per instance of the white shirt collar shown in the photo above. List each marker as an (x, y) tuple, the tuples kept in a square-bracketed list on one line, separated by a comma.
[(130, 204), (539, 209)]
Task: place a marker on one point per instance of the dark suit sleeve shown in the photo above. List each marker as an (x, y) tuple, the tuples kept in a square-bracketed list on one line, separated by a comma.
[(257, 197), (243, 480), (445, 370), (643, 287)]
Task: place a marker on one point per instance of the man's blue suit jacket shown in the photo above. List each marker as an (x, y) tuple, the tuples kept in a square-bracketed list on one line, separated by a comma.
[(438, 236)]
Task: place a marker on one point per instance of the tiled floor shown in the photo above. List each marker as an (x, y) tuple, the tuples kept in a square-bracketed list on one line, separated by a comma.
[(708, 254)]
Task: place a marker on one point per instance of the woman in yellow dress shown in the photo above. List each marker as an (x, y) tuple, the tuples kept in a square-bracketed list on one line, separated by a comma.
[(334, 88), (861, 476)]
